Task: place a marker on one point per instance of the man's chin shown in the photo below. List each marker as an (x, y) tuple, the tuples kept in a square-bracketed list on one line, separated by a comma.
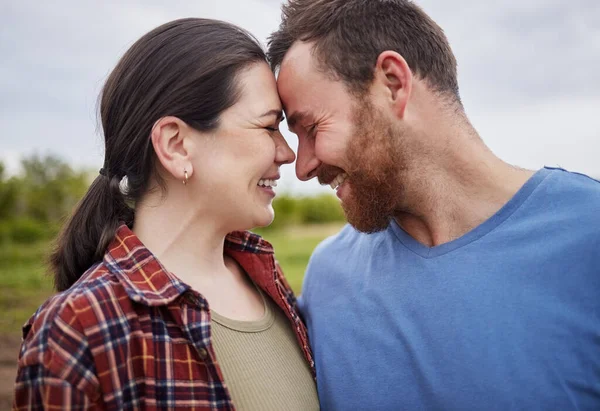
[(364, 219)]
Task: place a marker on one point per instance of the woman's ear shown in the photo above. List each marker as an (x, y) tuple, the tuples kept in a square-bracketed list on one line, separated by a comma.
[(171, 141), (394, 74)]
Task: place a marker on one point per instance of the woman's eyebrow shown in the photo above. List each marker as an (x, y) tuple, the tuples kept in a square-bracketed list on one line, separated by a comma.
[(278, 113)]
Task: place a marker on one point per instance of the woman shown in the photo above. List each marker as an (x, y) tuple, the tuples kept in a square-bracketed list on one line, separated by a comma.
[(161, 308)]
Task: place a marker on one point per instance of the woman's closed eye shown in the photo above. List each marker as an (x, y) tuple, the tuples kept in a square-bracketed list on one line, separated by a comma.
[(273, 128)]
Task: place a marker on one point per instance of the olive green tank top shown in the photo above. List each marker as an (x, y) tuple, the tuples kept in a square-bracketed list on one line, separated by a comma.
[(262, 363)]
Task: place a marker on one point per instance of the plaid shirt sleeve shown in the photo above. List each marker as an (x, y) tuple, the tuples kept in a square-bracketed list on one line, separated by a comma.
[(56, 367), (39, 389)]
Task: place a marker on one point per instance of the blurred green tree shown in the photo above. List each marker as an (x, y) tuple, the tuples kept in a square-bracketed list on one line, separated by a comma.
[(8, 194), (35, 202), (52, 188)]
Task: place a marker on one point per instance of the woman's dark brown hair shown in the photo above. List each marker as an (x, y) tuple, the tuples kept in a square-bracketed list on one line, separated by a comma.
[(186, 68)]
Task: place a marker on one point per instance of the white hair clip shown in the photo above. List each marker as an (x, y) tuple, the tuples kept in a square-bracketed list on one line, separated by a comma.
[(124, 186)]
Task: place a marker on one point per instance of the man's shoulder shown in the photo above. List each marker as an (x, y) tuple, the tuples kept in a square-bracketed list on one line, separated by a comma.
[(328, 264), (341, 243), (563, 180), (564, 208), (346, 248), (574, 193)]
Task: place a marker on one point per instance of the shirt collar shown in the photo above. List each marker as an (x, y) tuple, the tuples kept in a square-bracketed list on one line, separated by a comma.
[(248, 242), (148, 282)]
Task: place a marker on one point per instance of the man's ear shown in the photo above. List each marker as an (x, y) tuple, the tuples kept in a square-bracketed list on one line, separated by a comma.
[(170, 139), (393, 73)]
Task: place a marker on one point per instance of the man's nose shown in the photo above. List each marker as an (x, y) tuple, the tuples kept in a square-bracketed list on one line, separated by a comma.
[(306, 162)]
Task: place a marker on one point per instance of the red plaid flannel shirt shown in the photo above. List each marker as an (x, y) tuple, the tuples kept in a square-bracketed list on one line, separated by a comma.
[(130, 335)]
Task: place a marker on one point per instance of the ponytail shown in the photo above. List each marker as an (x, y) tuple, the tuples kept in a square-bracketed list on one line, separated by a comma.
[(89, 231)]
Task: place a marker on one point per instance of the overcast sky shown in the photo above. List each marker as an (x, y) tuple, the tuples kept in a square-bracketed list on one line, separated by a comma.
[(529, 72)]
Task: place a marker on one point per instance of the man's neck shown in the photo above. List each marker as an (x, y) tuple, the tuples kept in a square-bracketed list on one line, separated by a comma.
[(457, 194)]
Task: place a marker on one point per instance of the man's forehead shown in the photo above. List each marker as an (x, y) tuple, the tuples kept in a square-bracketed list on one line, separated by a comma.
[(298, 59)]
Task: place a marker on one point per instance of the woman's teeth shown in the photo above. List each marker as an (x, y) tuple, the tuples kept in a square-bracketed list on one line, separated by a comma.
[(338, 180), (267, 183)]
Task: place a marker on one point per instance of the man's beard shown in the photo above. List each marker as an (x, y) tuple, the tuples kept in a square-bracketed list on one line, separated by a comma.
[(376, 162)]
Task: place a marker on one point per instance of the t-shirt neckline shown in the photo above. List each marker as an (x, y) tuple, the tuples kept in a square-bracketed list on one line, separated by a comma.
[(484, 228)]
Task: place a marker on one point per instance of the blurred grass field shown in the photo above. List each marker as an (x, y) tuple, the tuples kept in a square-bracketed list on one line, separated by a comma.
[(24, 285), (294, 245)]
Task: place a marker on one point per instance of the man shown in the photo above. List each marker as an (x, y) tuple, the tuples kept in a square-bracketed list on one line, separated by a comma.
[(463, 283)]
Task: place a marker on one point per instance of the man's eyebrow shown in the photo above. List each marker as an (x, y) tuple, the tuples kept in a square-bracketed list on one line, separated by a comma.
[(295, 118), (278, 113)]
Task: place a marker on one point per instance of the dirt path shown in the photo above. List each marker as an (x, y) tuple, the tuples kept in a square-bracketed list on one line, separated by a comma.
[(9, 348)]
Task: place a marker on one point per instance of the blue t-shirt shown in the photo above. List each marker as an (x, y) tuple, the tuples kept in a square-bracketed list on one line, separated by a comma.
[(506, 317)]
